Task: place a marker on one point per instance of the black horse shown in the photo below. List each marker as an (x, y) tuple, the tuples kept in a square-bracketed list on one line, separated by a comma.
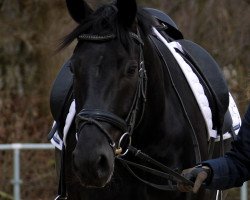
[(127, 95)]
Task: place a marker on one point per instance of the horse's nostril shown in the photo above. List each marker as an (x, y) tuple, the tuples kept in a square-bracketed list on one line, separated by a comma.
[(102, 162), (102, 166)]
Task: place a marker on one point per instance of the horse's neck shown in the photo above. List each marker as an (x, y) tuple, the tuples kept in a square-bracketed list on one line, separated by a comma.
[(165, 127)]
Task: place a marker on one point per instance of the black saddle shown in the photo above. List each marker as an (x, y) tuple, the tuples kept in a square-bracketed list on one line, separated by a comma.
[(204, 66)]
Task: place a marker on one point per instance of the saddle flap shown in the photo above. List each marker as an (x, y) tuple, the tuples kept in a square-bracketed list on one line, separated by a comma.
[(61, 91), (210, 72)]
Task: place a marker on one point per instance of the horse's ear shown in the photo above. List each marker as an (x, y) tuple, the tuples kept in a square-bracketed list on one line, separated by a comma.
[(127, 10), (78, 10)]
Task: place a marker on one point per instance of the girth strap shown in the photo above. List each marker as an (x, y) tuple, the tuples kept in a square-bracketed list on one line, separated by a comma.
[(62, 191)]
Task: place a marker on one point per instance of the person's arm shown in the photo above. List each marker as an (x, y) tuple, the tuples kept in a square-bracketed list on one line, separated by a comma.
[(232, 170)]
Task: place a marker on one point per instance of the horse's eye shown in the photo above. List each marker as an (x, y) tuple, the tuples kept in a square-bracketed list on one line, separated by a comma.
[(132, 70)]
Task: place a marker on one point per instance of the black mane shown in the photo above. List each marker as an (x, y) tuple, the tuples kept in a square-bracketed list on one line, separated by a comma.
[(105, 21)]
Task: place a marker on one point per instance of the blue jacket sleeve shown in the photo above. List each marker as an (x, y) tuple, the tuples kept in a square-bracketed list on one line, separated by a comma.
[(233, 169)]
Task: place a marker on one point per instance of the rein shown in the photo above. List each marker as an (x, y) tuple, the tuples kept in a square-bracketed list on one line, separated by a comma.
[(166, 172)]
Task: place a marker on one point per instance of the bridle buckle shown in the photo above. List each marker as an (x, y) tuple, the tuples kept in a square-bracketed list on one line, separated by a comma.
[(119, 150)]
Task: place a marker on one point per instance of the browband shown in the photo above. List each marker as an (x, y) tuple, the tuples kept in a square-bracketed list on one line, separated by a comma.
[(103, 38), (90, 37)]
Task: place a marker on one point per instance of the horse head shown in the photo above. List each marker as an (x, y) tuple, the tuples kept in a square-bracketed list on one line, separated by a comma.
[(106, 64)]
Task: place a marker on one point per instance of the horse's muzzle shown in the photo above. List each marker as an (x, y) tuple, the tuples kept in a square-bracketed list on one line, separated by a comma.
[(93, 160)]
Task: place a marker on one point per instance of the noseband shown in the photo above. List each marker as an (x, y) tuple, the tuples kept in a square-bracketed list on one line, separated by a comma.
[(96, 116)]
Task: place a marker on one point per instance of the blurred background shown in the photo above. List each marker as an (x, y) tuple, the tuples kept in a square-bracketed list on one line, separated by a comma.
[(30, 31)]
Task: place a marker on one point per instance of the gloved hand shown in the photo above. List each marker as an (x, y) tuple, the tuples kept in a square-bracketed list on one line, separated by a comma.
[(198, 175)]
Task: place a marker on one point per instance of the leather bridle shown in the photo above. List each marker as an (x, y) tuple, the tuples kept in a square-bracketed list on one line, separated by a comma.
[(127, 126), (96, 116)]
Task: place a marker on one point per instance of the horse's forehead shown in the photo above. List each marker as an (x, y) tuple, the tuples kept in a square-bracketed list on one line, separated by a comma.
[(104, 52), (99, 47), (88, 49)]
